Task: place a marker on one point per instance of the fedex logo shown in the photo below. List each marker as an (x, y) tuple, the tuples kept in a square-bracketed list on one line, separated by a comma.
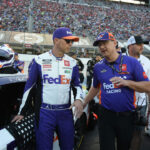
[(109, 86), (60, 80)]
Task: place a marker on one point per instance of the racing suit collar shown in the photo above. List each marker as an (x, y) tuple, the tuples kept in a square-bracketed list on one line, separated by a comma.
[(57, 58)]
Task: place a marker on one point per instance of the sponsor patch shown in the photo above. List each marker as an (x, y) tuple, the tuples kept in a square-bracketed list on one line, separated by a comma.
[(66, 63), (104, 70), (61, 79), (144, 75), (47, 66), (47, 69), (46, 61), (124, 67), (67, 71), (67, 68)]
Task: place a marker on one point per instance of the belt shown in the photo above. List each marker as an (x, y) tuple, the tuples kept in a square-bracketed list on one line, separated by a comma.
[(125, 113), (55, 107)]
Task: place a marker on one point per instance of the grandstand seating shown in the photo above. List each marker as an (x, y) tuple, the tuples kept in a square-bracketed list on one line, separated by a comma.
[(84, 17)]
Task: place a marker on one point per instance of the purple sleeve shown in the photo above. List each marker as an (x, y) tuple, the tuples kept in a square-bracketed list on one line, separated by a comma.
[(95, 79), (32, 77), (76, 83), (75, 76)]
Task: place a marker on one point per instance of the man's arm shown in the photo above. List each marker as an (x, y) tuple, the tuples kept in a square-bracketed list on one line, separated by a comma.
[(141, 86), (148, 101), (91, 94), (32, 78), (78, 103)]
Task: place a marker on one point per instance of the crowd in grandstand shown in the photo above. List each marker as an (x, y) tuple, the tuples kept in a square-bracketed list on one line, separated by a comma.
[(84, 17), (14, 15)]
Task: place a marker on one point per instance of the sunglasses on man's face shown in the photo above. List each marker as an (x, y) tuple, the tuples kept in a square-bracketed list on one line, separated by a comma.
[(68, 41)]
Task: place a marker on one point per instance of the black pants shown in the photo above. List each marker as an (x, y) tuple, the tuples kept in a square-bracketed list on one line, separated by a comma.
[(115, 129), (89, 82)]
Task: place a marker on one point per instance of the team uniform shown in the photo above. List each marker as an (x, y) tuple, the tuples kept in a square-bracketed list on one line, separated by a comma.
[(117, 103), (54, 78)]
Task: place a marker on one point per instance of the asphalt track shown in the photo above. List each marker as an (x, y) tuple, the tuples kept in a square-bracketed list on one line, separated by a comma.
[(91, 141)]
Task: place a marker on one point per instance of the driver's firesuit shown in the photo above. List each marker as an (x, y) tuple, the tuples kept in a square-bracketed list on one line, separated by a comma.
[(53, 78)]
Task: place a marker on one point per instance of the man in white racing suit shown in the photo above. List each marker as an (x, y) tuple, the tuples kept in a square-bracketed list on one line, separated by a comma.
[(54, 73), (135, 48)]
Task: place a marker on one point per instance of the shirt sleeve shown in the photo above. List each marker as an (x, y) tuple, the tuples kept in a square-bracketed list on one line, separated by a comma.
[(32, 78), (95, 79)]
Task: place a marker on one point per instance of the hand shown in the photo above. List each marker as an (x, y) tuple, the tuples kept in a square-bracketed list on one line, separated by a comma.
[(84, 105), (78, 108), (118, 81), (17, 118)]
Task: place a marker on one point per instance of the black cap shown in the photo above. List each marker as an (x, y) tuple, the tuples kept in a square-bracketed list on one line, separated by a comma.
[(136, 40)]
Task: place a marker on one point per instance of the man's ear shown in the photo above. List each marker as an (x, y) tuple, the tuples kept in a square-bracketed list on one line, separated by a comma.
[(115, 42), (55, 40)]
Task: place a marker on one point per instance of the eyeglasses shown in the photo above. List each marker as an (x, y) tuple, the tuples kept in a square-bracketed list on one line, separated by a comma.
[(68, 41)]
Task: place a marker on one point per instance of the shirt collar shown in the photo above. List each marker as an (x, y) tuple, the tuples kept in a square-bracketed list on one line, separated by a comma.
[(117, 61), (57, 58)]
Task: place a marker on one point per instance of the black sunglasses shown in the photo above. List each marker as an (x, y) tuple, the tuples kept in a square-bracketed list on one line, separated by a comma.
[(68, 41)]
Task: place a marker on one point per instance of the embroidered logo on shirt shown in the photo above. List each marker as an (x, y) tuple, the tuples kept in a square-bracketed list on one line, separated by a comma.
[(66, 63), (67, 71), (47, 66), (144, 75), (46, 61), (124, 67), (104, 70)]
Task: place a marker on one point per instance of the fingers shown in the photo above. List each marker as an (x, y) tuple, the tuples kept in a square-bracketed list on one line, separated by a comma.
[(78, 108), (72, 106), (116, 80), (17, 118)]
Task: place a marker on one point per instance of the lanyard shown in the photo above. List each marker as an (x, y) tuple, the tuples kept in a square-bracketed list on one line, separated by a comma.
[(120, 66)]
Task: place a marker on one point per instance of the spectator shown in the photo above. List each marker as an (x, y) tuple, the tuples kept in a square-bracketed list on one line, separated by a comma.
[(18, 64)]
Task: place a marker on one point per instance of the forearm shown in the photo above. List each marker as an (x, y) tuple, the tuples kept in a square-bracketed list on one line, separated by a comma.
[(143, 86), (91, 94), (148, 98)]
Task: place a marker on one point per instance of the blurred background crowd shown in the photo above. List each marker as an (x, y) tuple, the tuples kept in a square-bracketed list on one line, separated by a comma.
[(85, 18)]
